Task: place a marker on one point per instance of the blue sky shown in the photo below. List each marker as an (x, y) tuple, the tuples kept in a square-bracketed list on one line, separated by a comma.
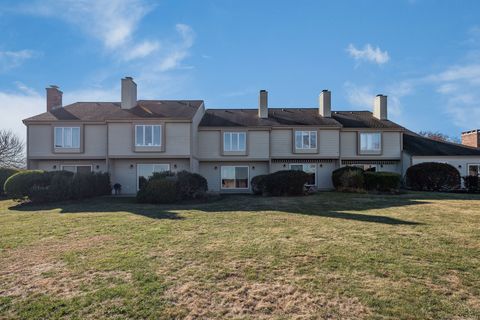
[(425, 55)]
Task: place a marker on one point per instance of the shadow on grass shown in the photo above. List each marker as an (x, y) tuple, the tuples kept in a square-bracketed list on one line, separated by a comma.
[(348, 206)]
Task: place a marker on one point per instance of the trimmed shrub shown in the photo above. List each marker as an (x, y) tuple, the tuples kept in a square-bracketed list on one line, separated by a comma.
[(160, 190), (5, 173), (59, 187), (258, 184), (471, 184), (21, 184), (168, 187), (41, 186), (432, 176), (382, 181), (191, 185), (285, 183), (348, 179)]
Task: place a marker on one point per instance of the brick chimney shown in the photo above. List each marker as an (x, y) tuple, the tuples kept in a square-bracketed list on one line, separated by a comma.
[(129, 93), (325, 103), (263, 104), (380, 107), (54, 98), (471, 138)]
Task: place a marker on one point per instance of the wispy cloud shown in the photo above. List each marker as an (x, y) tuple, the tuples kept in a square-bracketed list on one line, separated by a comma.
[(113, 22), (142, 50), (368, 54), (459, 86), (13, 59), (17, 105), (362, 96)]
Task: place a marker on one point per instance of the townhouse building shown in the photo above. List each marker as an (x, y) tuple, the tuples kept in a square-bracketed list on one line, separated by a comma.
[(133, 138)]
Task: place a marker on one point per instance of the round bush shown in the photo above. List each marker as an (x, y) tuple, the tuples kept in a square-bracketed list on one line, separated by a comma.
[(258, 184), (348, 179), (21, 184), (382, 181), (58, 187), (191, 185), (432, 176), (472, 184), (285, 183), (5, 173)]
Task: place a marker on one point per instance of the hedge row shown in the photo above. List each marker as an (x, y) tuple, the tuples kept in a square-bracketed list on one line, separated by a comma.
[(355, 179), (280, 183), (49, 186), (168, 187), (5, 173)]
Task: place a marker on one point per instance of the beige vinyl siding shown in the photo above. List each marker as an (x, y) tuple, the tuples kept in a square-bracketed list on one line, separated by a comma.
[(95, 140), (281, 142), (213, 176), (329, 143), (48, 165), (391, 145), (348, 143), (210, 145), (92, 136), (194, 130), (258, 144), (121, 140), (40, 140)]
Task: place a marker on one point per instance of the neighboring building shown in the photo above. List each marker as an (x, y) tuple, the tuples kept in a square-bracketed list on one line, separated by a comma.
[(418, 149), (133, 138)]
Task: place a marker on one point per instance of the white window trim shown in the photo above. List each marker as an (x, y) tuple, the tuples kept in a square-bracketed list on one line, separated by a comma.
[(370, 151), (77, 165), (62, 135), (248, 178), (150, 164), (305, 164), (231, 133), (143, 129), (309, 139)]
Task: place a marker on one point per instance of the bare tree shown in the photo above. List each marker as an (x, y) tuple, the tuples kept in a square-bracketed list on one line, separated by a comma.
[(11, 150), (439, 136)]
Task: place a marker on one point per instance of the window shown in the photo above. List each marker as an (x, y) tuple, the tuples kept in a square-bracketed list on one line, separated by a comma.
[(234, 177), (305, 139), (146, 170), (148, 135), (370, 142), (234, 141), (474, 170), (67, 137), (78, 168), (310, 168)]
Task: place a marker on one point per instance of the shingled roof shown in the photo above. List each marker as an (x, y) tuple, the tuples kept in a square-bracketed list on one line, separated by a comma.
[(362, 119), (293, 117), (417, 145), (102, 111)]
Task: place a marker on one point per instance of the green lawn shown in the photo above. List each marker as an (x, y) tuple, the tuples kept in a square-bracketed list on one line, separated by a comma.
[(331, 255)]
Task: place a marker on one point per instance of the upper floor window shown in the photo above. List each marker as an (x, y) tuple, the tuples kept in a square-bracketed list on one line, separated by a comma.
[(67, 137), (234, 141), (305, 139), (148, 135), (371, 142)]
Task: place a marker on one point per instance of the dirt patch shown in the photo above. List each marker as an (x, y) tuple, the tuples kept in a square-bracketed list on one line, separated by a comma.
[(38, 268), (239, 298)]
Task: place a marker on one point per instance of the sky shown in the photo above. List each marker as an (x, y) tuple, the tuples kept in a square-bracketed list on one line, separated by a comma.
[(425, 55)]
